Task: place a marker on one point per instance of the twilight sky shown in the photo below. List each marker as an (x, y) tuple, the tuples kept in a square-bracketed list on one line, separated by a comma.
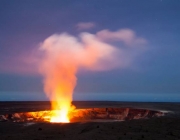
[(147, 31)]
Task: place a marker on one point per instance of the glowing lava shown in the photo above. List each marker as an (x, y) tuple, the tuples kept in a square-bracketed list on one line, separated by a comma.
[(62, 114)]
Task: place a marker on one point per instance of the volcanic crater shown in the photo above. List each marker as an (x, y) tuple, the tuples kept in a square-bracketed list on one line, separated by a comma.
[(84, 115)]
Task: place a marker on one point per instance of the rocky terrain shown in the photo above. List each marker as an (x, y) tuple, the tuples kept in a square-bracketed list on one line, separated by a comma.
[(161, 128)]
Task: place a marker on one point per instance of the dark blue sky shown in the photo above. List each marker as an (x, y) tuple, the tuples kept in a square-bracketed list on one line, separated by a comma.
[(153, 76)]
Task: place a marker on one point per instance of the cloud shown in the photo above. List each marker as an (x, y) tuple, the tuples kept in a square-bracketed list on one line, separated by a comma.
[(127, 36), (85, 25)]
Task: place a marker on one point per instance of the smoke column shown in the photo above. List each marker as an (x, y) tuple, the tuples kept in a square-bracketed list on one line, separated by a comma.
[(62, 56)]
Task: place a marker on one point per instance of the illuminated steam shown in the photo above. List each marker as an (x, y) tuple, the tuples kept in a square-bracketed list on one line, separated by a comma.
[(63, 55)]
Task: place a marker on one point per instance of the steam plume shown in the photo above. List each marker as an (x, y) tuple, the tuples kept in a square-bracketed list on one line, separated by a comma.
[(64, 55)]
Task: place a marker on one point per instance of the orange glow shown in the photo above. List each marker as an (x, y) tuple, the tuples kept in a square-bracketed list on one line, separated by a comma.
[(61, 84), (61, 114)]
